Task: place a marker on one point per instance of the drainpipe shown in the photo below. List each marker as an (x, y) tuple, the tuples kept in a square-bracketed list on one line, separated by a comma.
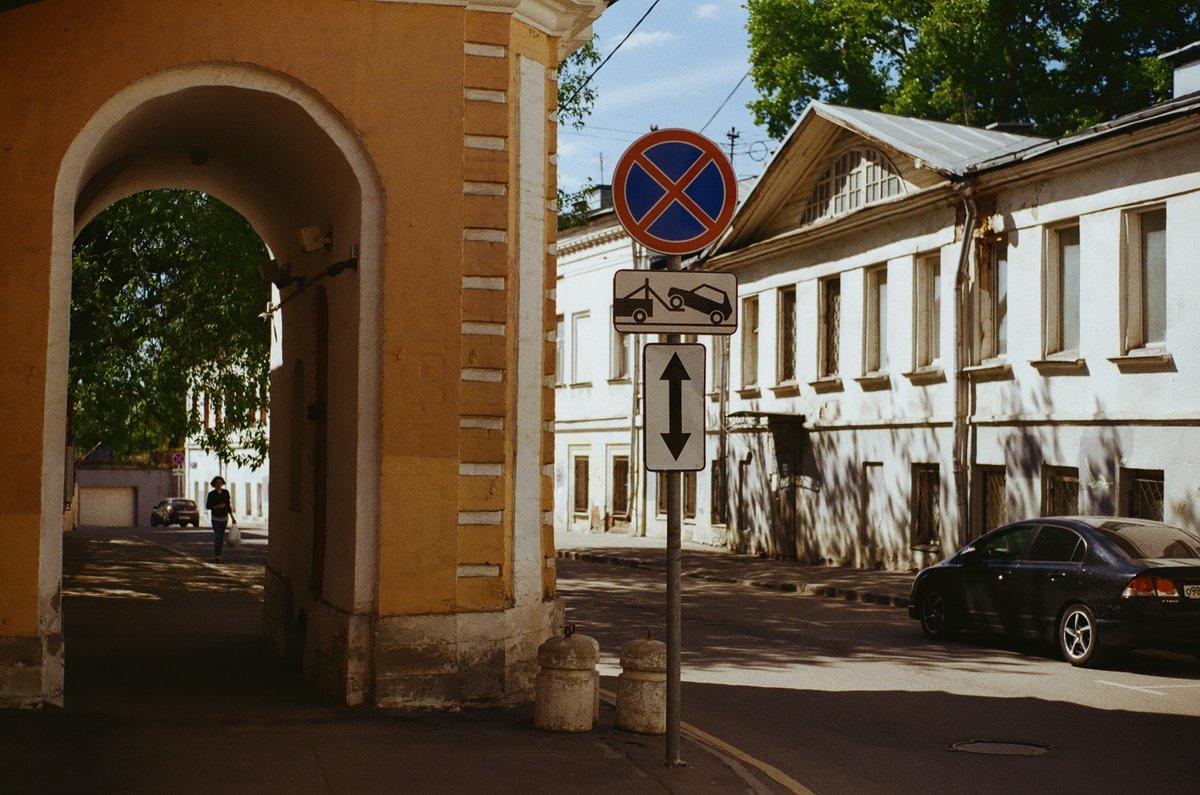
[(963, 392)]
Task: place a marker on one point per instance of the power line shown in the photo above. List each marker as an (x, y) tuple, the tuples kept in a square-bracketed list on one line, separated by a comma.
[(583, 85), (778, 27)]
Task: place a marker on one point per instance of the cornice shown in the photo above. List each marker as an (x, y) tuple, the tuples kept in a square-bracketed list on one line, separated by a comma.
[(569, 21), (591, 239)]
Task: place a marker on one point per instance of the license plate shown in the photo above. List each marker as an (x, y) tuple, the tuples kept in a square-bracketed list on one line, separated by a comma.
[(1191, 591)]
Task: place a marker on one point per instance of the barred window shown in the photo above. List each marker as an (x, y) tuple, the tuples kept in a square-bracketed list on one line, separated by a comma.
[(857, 178), (620, 486), (1060, 491), (927, 511), (579, 502), (994, 485), (831, 327), (1143, 491), (786, 370)]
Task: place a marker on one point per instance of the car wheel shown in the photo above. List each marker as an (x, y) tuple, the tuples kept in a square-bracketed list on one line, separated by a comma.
[(639, 316), (716, 317), (937, 619), (676, 301), (1078, 638)]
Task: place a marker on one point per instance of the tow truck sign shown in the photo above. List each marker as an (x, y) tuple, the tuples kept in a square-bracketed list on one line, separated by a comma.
[(674, 302)]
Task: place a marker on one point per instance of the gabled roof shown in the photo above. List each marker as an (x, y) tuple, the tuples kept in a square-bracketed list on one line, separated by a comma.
[(940, 147), (945, 147)]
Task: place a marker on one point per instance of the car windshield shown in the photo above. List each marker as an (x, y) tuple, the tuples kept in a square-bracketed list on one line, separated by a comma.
[(1148, 541), (182, 504)]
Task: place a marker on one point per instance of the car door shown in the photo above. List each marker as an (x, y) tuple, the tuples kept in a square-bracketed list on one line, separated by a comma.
[(987, 576), (1050, 575)]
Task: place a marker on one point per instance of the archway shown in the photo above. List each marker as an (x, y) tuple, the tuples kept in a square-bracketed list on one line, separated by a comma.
[(277, 153)]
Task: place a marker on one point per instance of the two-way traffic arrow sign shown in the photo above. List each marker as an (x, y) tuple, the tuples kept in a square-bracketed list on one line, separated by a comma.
[(674, 388)]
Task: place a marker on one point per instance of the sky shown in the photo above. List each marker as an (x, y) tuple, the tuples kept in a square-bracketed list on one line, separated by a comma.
[(674, 71)]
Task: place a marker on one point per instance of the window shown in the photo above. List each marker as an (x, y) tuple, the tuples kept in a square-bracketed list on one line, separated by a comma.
[(829, 330), (579, 342), (875, 352), (927, 316), (857, 178), (579, 490), (750, 342), (619, 500), (1062, 292), (619, 356), (720, 362), (993, 302), (717, 497), (687, 485), (927, 511), (1009, 545), (1057, 545), (994, 483), (1145, 287), (786, 349), (1142, 492), (560, 341), (1060, 491)]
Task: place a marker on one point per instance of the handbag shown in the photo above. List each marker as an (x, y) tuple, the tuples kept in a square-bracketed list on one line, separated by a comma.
[(233, 536)]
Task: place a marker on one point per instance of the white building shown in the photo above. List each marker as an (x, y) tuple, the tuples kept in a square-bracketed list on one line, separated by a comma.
[(962, 327), (941, 328)]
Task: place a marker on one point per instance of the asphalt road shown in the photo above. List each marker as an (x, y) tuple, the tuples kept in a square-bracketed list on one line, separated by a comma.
[(848, 697)]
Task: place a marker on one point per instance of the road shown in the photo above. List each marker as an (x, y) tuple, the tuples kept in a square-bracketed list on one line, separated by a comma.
[(848, 697)]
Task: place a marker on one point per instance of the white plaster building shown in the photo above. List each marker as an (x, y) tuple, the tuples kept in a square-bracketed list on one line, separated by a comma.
[(600, 482), (941, 329), (944, 328)]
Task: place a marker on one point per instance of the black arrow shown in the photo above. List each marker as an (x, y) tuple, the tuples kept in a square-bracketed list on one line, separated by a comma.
[(675, 373)]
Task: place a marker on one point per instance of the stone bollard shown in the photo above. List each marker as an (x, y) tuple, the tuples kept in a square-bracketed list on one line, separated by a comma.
[(567, 691), (642, 687)]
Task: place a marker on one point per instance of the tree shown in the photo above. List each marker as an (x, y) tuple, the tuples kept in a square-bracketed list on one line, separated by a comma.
[(575, 101), (166, 304), (1059, 64)]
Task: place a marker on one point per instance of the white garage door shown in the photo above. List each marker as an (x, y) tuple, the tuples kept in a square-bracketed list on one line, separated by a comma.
[(107, 507)]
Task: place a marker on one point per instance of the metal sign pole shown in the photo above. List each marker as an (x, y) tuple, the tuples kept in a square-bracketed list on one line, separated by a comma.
[(674, 599)]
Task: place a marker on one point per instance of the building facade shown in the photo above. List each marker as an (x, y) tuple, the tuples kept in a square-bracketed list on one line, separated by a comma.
[(411, 559), (946, 328)]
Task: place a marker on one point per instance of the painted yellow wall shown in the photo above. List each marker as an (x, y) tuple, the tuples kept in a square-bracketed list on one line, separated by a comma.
[(396, 92)]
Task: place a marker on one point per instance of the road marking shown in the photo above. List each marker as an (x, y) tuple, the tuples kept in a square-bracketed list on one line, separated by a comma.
[(770, 771)]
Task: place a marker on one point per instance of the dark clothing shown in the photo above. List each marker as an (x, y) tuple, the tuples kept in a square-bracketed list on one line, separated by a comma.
[(218, 504), (218, 536)]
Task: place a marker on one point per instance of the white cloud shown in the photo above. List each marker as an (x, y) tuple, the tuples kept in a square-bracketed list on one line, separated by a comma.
[(707, 11), (651, 38)]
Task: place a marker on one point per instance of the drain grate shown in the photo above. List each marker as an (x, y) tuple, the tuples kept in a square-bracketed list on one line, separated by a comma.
[(993, 748)]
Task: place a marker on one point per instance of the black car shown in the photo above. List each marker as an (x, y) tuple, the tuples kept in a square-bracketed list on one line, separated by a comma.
[(176, 510), (1090, 583)]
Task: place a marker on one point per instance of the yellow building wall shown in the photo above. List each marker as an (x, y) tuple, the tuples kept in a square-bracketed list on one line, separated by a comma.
[(408, 60)]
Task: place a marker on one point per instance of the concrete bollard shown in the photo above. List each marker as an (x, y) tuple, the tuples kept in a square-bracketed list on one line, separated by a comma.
[(567, 691), (642, 687)]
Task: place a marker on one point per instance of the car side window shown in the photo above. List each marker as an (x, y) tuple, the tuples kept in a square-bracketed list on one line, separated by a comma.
[(1009, 545), (1058, 545)]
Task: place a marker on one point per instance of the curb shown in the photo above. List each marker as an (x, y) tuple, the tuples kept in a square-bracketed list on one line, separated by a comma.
[(803, 588)]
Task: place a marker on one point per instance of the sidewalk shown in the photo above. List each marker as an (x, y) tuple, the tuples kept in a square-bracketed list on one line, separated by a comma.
[(171, 687), (720, 565)]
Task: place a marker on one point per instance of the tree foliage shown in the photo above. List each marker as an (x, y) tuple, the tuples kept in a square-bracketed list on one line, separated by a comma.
[(576, 98), (1059, 64), (166, 304)]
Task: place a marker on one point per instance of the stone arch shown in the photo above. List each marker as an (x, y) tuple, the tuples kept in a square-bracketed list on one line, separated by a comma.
[(116, 154)]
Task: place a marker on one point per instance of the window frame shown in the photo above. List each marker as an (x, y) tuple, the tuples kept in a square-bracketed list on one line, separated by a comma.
[(1052, 475), (1056, 333), (875, 321), (923, 537), (785, 326), (927, 311), (749, 333), (619, 355), (829, 324), (579, 323), (576, 458), (992, 303), (613, 485), (1135, 312)]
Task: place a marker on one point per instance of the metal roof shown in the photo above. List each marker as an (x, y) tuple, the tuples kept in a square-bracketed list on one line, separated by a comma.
[(950, 148)]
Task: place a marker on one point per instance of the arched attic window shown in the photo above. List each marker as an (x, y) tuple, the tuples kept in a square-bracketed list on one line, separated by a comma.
[(857, 178)]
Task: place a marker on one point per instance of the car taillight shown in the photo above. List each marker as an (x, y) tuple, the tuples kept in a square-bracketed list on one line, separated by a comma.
[(1149, 585)]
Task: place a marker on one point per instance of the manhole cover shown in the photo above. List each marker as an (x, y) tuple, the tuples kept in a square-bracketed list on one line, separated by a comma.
[(1001, 748)]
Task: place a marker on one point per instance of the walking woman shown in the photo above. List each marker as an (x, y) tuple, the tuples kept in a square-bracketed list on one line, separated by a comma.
[(221, 513)]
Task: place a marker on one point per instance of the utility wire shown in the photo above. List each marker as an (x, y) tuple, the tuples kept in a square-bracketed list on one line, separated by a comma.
[(583, 85), (779, 27)]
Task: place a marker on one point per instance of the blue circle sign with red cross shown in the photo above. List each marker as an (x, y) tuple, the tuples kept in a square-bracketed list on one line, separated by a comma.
[(674, 191)]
